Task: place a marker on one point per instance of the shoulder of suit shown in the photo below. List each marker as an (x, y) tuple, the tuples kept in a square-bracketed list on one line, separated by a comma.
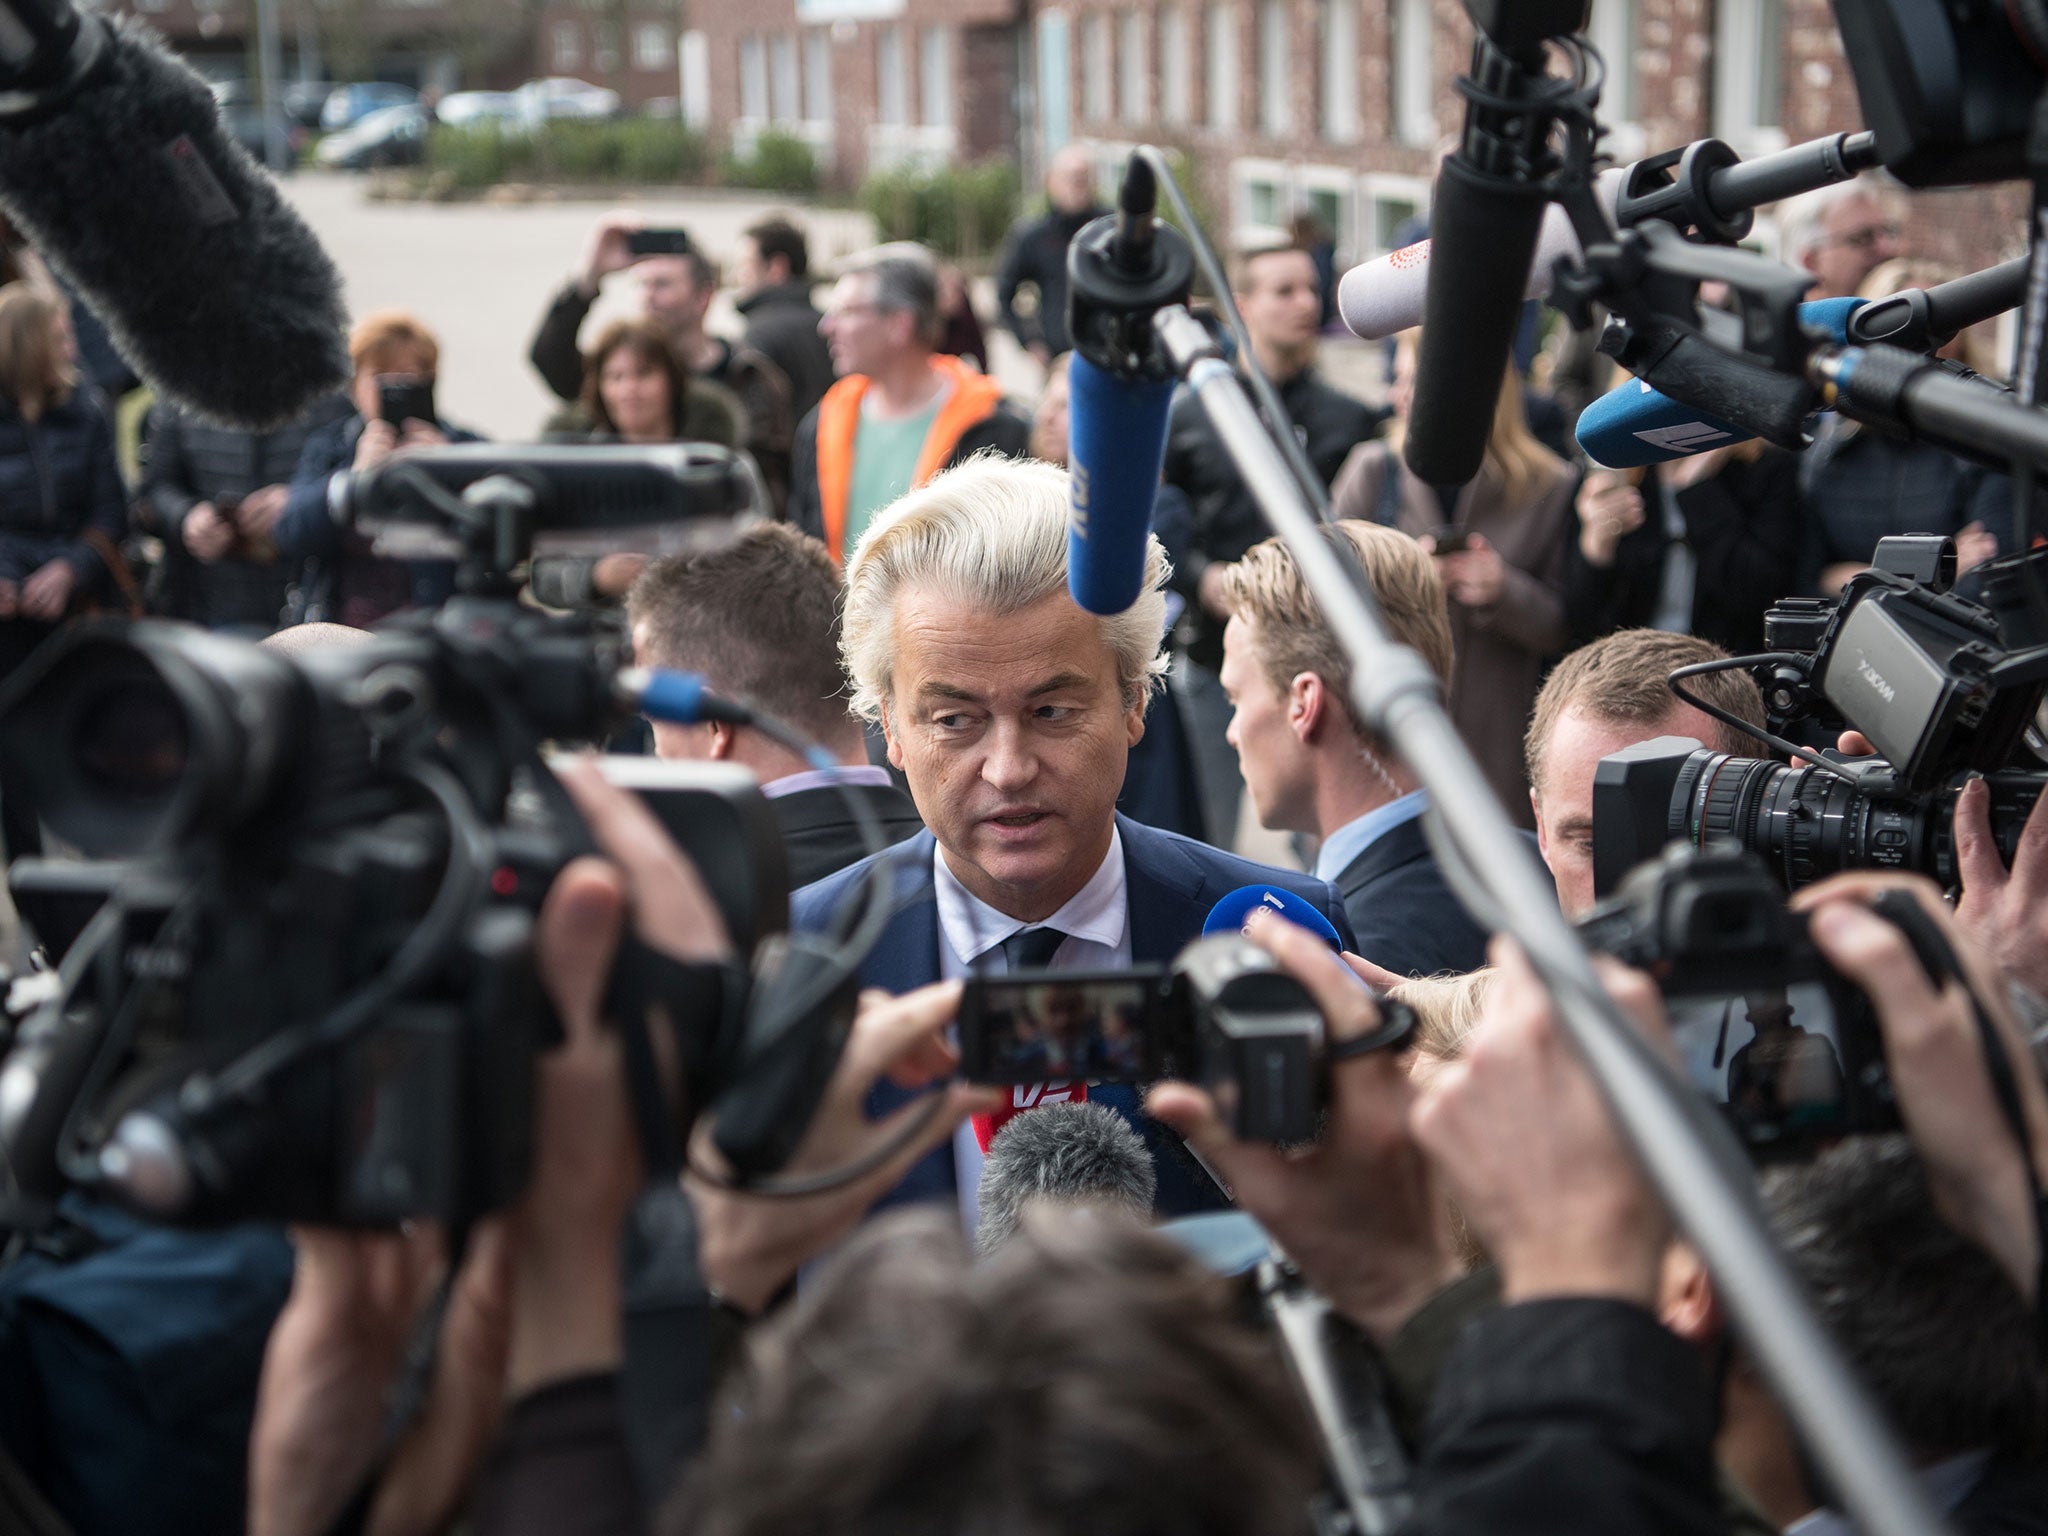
[(1205, 861)]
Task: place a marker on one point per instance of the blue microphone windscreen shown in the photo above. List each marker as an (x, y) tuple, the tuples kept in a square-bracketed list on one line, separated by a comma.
[(1116, 442), (1231, 913), (1633, 425), (1830, 317)]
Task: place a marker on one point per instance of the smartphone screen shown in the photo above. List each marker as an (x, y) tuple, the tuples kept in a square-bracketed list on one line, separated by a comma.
[(1451, 538), (403, 400), (658, 242), (1062, 1026)]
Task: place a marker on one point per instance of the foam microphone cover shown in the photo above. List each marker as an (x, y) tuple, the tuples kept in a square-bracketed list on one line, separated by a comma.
[(1116, 441), (211, 285), (1483, 231), (1385, 296), (1231, 913)]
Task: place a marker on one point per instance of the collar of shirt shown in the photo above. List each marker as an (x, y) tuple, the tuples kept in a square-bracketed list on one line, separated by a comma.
[(1098, 915), (1946, 1483), (818, 778), (1354, 837)]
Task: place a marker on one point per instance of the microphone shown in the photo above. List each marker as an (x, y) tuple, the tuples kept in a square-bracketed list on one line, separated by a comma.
[(1484, 225), (115, 166), (1636, 424), (1121, 268), (1231, 913), (1071, 1154), (1921, 319)]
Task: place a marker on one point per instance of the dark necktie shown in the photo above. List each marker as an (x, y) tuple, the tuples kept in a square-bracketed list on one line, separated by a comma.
[(1031, 949)]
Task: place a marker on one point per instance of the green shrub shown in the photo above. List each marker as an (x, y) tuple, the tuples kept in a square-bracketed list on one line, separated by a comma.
[(960, 211), (781, 162), (640, 150)]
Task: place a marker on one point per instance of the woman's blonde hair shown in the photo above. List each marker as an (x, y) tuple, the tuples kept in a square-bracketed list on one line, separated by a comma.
[(991, 533), (1447, 1009), (1513, 452), (30, 365)]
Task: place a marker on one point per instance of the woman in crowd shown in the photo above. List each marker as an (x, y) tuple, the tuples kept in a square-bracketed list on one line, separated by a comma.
[(62, 507), (636, 390), (1702, 545), (1500, 545)]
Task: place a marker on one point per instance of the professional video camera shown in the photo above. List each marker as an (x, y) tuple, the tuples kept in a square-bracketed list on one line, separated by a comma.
[(1940, 686), (1767, 1029), (1223, 1015), (297, 978)]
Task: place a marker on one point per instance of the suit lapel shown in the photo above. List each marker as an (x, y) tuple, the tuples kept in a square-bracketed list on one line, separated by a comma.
[(1398, 845), (908, 955), (1163, 889)]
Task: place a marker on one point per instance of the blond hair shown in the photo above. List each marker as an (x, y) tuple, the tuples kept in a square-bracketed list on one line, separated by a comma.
[(380, 334), (991, 533), (1288, 631), (30, 367), (1514, 453), (1447, 1009)]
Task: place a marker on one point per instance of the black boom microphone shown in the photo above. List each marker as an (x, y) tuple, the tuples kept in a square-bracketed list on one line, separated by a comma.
[(114, 164), (1483, 225)]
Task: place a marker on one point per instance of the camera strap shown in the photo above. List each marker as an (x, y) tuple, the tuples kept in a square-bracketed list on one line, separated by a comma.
[(701, 1001), (1938, 958)]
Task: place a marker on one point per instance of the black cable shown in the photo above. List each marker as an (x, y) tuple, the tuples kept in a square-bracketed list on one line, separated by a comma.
[(1776, 743)]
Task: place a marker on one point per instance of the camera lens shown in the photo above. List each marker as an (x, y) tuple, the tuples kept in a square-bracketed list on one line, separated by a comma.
[(131, 739), (1807, 822)]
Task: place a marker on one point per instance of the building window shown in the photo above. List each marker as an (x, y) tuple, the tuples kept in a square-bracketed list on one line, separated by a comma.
[(650, 46), (1221, 80), (892, 90), (753, 79), (1339, 48), (1096, 70), (606, 55), (782, 78), (1176, 66), (818, 75), (1276, 84), (566, 46), (1613, 31), (1394, 208), (935, 76), (1134, 68), (1749, 40), (1414, 73)]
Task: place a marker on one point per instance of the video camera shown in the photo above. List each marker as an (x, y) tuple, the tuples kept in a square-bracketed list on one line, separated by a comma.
[(297, 978), (1223, 1015), (1942, 687)]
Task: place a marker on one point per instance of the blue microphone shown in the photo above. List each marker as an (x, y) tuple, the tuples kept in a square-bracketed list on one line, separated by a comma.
[(1231, 913), (1116, 440), (1635, 424)]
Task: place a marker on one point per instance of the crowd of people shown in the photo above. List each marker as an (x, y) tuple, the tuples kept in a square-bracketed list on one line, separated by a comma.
[(1009, 1347)]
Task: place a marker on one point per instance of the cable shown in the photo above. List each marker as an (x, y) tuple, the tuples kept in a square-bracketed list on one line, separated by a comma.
[(1775, 743)]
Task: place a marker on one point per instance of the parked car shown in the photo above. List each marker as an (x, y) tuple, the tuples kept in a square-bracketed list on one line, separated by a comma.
[(304, 100), (388, 136), (241, 115), (559, 97), (478, 109), (347, 105)]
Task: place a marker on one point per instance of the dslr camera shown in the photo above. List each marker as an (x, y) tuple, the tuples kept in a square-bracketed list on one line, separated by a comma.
[(1223, 1015), (1942, 686)]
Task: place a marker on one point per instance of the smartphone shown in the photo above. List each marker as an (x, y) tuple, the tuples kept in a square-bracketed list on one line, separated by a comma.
[(400, 400), (1451, 538), (658, 242), (1060, 1026)]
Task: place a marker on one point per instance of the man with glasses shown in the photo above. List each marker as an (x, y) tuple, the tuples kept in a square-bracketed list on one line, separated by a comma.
[(1840, 234)]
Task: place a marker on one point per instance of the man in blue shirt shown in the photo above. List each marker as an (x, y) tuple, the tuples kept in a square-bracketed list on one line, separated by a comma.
[(1312, 768)]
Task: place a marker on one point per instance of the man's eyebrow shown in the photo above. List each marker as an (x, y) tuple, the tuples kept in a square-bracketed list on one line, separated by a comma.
[(946, 691), (1059, 682), (1572, 826)]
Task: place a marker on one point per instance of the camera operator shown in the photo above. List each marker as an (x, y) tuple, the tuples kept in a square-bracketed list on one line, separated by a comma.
[(1599, 699), (757, 616)]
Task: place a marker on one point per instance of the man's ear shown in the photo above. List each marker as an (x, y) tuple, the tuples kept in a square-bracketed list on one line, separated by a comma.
[(889, 735), (1308, 707), (1536, 810), (1686, 1303), (724, 738)]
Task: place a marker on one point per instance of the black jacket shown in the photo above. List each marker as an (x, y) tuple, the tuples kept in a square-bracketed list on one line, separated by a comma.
[(782, 324), (1227, 520), (819, 832), (1746, 527), (1403, 910), (188, 462), (1036, 255), (58, 478)]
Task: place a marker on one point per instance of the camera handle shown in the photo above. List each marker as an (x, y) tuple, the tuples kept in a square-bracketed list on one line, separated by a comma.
[(1687, 1154)]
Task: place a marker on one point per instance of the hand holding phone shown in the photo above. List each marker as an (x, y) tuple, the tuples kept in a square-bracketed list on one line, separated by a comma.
[(402, 398), (658, 242)]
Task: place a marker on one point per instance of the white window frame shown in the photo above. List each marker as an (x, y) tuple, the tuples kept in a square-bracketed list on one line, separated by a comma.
[(1134, 67), (817, 72), (566, 58), (935, 76), (1749, 60), (892, 78), (1376, 190), (1098, 68), (1222, 44), (651, 47), (753, 78), (1411, 52), (1276, 68), (1338, 54), (1176, 66), (785, 79)]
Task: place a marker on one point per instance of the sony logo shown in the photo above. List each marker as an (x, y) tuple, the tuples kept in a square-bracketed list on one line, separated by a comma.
[(1876, 680)]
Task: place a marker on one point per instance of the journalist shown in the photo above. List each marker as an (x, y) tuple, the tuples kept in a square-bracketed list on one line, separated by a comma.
[(1312, 768), (1012, 713), (757, 617)]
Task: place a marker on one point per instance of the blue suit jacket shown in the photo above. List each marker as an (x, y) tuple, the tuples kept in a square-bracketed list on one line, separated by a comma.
[(1170, 882)]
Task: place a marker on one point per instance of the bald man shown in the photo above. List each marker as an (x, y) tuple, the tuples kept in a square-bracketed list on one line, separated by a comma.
[(1036, 256)]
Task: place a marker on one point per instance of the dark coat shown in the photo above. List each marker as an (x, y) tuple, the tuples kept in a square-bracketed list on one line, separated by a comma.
[(58, 478), (1036, 257), (1746, 527), (820, 835), (1171, 882), (782, 324), (1403, 910), (350, 585), (1862, 486), (189, 462), (1227, 519)]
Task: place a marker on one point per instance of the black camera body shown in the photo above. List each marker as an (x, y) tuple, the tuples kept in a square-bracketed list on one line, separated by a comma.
[(1223, 1015), (1767, 1029)]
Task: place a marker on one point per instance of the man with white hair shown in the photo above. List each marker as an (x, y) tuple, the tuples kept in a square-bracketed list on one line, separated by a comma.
[(1011, 711), (1840, 234)]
